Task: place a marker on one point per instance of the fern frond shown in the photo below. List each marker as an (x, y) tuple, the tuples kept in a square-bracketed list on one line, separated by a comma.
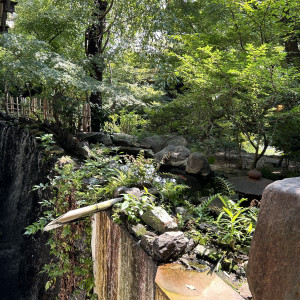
[(207, 202), (225, 186)]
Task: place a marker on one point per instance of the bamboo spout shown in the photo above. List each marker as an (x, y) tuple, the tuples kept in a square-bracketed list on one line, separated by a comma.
[(80, 213)]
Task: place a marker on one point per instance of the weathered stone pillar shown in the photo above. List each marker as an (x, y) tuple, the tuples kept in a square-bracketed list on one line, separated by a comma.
[(274, 263), (122, 269)]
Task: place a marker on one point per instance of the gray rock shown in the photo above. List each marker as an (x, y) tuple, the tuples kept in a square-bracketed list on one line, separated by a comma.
[(191, 245), (84, 149), (135, 192), (125, 190), (207, 253), (159, 219), (204, 251), (198, 165), (106, 140), (119, 191), (173, 155), (153, 191), (180, 210), (139, 230), (147, 241), (170, 245), (176, 141), (273, 270), (126, 140), (156, 142), (95, 137)]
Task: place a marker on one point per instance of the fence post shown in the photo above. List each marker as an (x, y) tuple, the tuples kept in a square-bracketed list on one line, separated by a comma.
[(17, 106), (86, 117), (11, 105)]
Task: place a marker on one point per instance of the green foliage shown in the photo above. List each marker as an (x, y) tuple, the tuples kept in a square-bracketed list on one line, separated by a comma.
[(172, 192), (202, 209), (72, 268), (47, 141), (224, 186), (133, 207), (36, 226), (125, 122), (236, 223), (138, 171), (198, 237), (284, 130)]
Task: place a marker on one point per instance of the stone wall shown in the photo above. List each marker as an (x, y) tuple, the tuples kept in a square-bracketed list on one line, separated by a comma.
[(122, 269), (21, 257)]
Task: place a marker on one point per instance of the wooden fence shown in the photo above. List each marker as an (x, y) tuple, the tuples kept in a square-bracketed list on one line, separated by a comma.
[(42, 110)]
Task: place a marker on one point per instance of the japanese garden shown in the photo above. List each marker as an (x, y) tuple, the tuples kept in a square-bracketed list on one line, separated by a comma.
[(150, 150)]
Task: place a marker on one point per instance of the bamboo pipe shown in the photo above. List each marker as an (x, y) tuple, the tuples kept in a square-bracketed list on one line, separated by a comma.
[(80, 213)]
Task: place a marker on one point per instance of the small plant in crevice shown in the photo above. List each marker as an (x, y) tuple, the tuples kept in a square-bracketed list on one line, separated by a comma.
[(133, 207), (47, 141)]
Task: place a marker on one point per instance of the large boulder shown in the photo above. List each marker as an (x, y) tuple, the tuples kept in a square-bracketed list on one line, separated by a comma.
[(197, 165), (170, 245), (159, 142), (273, 271), (176, 141), (173, 156), (156, 142), (126, 140)]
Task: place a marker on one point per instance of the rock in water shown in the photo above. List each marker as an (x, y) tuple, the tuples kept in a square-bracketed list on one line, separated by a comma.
[(274, 263)]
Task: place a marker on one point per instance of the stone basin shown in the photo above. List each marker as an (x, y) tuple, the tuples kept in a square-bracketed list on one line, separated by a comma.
[(176, 283)]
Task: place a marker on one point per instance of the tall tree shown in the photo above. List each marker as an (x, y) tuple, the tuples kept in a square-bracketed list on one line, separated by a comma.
[(96, 41)]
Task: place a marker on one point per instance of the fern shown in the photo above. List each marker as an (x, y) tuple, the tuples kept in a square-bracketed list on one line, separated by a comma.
[(202, 209), (224, 186), (207, 202)]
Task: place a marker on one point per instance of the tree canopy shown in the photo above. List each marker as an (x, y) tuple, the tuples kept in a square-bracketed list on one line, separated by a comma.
[(213, 70)]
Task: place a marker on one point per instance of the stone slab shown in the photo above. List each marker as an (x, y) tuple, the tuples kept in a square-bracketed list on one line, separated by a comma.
[(246, 185)]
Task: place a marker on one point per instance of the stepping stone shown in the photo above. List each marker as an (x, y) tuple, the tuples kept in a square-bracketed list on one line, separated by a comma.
[(249, 186), (175, 283)]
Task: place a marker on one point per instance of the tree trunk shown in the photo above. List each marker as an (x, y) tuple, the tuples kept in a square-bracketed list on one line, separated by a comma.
[(293, 52), (94, 46), (291, 43), (257, 156)]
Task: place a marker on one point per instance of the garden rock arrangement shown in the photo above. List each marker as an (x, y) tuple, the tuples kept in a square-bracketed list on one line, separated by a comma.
[(166, 150), (161, 238)]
